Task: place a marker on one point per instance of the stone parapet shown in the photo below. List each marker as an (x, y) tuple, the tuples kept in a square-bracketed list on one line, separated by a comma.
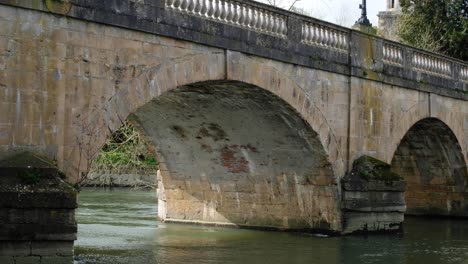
[(270, 32)]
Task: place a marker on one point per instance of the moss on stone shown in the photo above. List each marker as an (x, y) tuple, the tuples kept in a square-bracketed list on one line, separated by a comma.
[(369, 168), (30, 176), (34, 172)]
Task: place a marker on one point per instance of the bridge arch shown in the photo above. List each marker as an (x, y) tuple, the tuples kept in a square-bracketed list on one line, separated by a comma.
[(293, 185), (431, 160), (417, 113)]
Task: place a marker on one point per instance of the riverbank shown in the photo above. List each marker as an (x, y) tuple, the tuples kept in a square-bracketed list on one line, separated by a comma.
[(126, 180)]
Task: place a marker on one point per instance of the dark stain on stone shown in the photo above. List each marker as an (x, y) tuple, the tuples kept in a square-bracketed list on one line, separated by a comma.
[(180, 131), (219, 133), (207, 148), (202, 133), (213, 131), (233, 163), (118, 71)]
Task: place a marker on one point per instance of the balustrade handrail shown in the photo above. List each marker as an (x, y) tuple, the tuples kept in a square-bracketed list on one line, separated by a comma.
[(236, 13)]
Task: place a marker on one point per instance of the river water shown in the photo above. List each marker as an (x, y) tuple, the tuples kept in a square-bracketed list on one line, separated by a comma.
[(120, 226)]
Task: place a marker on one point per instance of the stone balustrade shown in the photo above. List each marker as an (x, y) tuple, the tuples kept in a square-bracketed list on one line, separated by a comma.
[(276, 22), (235, 13), (431, 64), (321, 35), (262, 30), (464, 73), (392, 54)]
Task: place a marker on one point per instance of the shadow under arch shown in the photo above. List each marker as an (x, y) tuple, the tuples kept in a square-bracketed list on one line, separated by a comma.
[(232, 153), (430, 159)]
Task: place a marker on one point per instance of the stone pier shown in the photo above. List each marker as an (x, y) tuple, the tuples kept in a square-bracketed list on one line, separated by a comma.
[(373, 198), (37, 213)]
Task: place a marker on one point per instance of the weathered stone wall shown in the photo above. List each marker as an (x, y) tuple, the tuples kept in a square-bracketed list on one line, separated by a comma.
[(383, 114), (80, 80)]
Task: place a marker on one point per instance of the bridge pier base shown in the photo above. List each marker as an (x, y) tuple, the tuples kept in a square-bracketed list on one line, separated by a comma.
[(373, 198), (37, 213)]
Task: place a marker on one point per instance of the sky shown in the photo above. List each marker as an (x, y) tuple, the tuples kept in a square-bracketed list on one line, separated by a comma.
[(343, 12)]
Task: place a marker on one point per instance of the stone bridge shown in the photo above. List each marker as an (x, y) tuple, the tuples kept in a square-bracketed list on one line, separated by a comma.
[(255, 114)]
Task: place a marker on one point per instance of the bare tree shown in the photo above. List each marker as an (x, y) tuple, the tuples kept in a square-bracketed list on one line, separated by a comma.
[(344, 17), (281, 3), (291, 5)]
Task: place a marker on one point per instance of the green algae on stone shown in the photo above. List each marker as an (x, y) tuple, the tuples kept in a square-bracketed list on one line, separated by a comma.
[(369, 168)]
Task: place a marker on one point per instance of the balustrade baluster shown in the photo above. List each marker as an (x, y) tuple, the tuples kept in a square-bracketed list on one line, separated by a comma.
[(229, 13), (191, 6), (204, 7), (235, 15), (197, 8), (210, 11), (314, 36), (340, 41), (177, 3), (252, 17), (322, 36), (335, 39), (248, 16), (223, 10), (259, 20), (275, 24), (280, 26), (326, 41), (307, 33), (216, 10), (183, 5), (253, 21), (241, 15), (269, 22), (284, 26), (263, 27)]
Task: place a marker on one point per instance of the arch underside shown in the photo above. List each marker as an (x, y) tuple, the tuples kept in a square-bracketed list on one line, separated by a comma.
[(233, 153), (431, 161)]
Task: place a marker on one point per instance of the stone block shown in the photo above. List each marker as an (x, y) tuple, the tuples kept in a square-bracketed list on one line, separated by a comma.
[(28, 260), (57, 260), (52, 248), (15, 248), (38, 232), (7, 260)]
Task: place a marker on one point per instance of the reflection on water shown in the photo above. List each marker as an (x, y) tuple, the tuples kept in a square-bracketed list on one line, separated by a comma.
[(120, 227)]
